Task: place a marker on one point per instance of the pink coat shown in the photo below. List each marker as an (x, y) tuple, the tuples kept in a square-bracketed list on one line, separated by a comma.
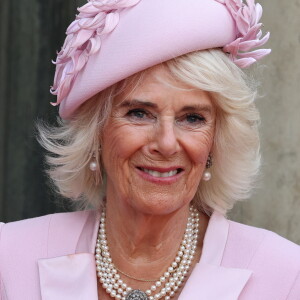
[(51, 258)]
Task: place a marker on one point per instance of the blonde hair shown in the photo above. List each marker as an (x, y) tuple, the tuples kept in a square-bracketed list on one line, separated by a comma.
[(236, 158)]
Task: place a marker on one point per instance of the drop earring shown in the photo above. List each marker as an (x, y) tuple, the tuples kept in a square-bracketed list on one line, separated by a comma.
[(207, 175), (93, 163)]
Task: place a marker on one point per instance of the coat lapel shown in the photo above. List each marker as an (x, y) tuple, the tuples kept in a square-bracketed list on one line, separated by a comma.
[(68, 277), (209, 280), (72, 276)]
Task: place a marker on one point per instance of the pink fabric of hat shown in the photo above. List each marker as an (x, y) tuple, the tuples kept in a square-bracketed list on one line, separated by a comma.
[(113, 39)]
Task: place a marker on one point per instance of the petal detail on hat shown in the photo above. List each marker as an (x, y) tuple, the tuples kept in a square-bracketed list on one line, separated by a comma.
[(111, 22), (257, 54), (247, 16), (248, 45), (81, 37), (95, 19), (244, 62)]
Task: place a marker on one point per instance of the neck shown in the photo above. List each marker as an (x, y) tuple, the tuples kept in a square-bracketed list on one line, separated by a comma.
[(144, 238), (144, 245)]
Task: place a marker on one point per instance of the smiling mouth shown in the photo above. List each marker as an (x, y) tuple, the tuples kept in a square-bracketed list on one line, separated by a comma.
[(161, 174)]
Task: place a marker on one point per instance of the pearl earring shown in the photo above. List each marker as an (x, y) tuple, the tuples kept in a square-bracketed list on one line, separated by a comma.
[(93, 163), (207, 175)]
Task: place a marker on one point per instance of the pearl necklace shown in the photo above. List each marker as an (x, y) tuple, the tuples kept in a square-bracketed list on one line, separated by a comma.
[(167, 285)]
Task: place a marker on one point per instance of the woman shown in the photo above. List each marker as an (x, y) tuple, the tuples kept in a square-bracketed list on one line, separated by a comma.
[(160, 137)]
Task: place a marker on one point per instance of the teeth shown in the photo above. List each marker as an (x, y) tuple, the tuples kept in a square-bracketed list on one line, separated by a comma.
[(159, 174)]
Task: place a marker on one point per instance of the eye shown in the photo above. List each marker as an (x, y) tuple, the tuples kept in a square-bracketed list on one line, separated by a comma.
[(139, 114), (192, 120)]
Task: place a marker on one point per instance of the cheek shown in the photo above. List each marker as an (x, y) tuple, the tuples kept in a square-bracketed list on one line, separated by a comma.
[(120, 141), (198, 146)]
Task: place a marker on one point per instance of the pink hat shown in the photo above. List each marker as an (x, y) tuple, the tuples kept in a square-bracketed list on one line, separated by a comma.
[(113, 39)]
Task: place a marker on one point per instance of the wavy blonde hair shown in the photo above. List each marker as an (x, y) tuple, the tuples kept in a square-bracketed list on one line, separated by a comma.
[(236, 159)]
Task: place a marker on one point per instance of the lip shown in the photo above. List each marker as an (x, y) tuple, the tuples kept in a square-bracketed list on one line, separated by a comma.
[(160, 180), (161, 170)]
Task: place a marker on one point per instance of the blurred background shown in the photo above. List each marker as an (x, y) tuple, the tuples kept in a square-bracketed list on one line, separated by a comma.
[(31, 31)]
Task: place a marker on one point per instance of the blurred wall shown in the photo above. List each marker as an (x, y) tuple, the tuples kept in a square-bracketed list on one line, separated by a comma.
[(30, 33), (276, 203)]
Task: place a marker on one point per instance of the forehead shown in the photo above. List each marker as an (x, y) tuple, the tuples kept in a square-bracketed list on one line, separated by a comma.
[(159, 86)]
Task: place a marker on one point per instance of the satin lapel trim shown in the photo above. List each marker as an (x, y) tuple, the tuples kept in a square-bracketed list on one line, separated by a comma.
[(73, 277), (88, 236), (214, 283), (215, 240), (209, 280), (68, 277)]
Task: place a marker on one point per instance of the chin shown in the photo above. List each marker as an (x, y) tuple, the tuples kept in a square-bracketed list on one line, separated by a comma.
[(158, 205)]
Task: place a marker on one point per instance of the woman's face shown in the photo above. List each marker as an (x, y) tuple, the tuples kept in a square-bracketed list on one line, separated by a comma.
[(156, 144)]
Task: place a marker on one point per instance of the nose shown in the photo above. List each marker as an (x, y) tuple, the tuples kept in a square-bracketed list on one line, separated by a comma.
[(165, 140)]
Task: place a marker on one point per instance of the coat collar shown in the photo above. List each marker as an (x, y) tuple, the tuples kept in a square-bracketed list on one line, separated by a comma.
[(209, 280), (73, 277)]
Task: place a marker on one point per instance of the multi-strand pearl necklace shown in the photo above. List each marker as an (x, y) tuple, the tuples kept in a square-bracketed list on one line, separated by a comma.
[(167, 285)]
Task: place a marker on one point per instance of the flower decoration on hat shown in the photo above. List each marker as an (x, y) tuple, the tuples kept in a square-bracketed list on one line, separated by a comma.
[(95, 19), (247, 17)]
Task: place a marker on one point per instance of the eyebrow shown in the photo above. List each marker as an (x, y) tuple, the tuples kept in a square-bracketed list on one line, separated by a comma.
[(128, 103), (196, 107)]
